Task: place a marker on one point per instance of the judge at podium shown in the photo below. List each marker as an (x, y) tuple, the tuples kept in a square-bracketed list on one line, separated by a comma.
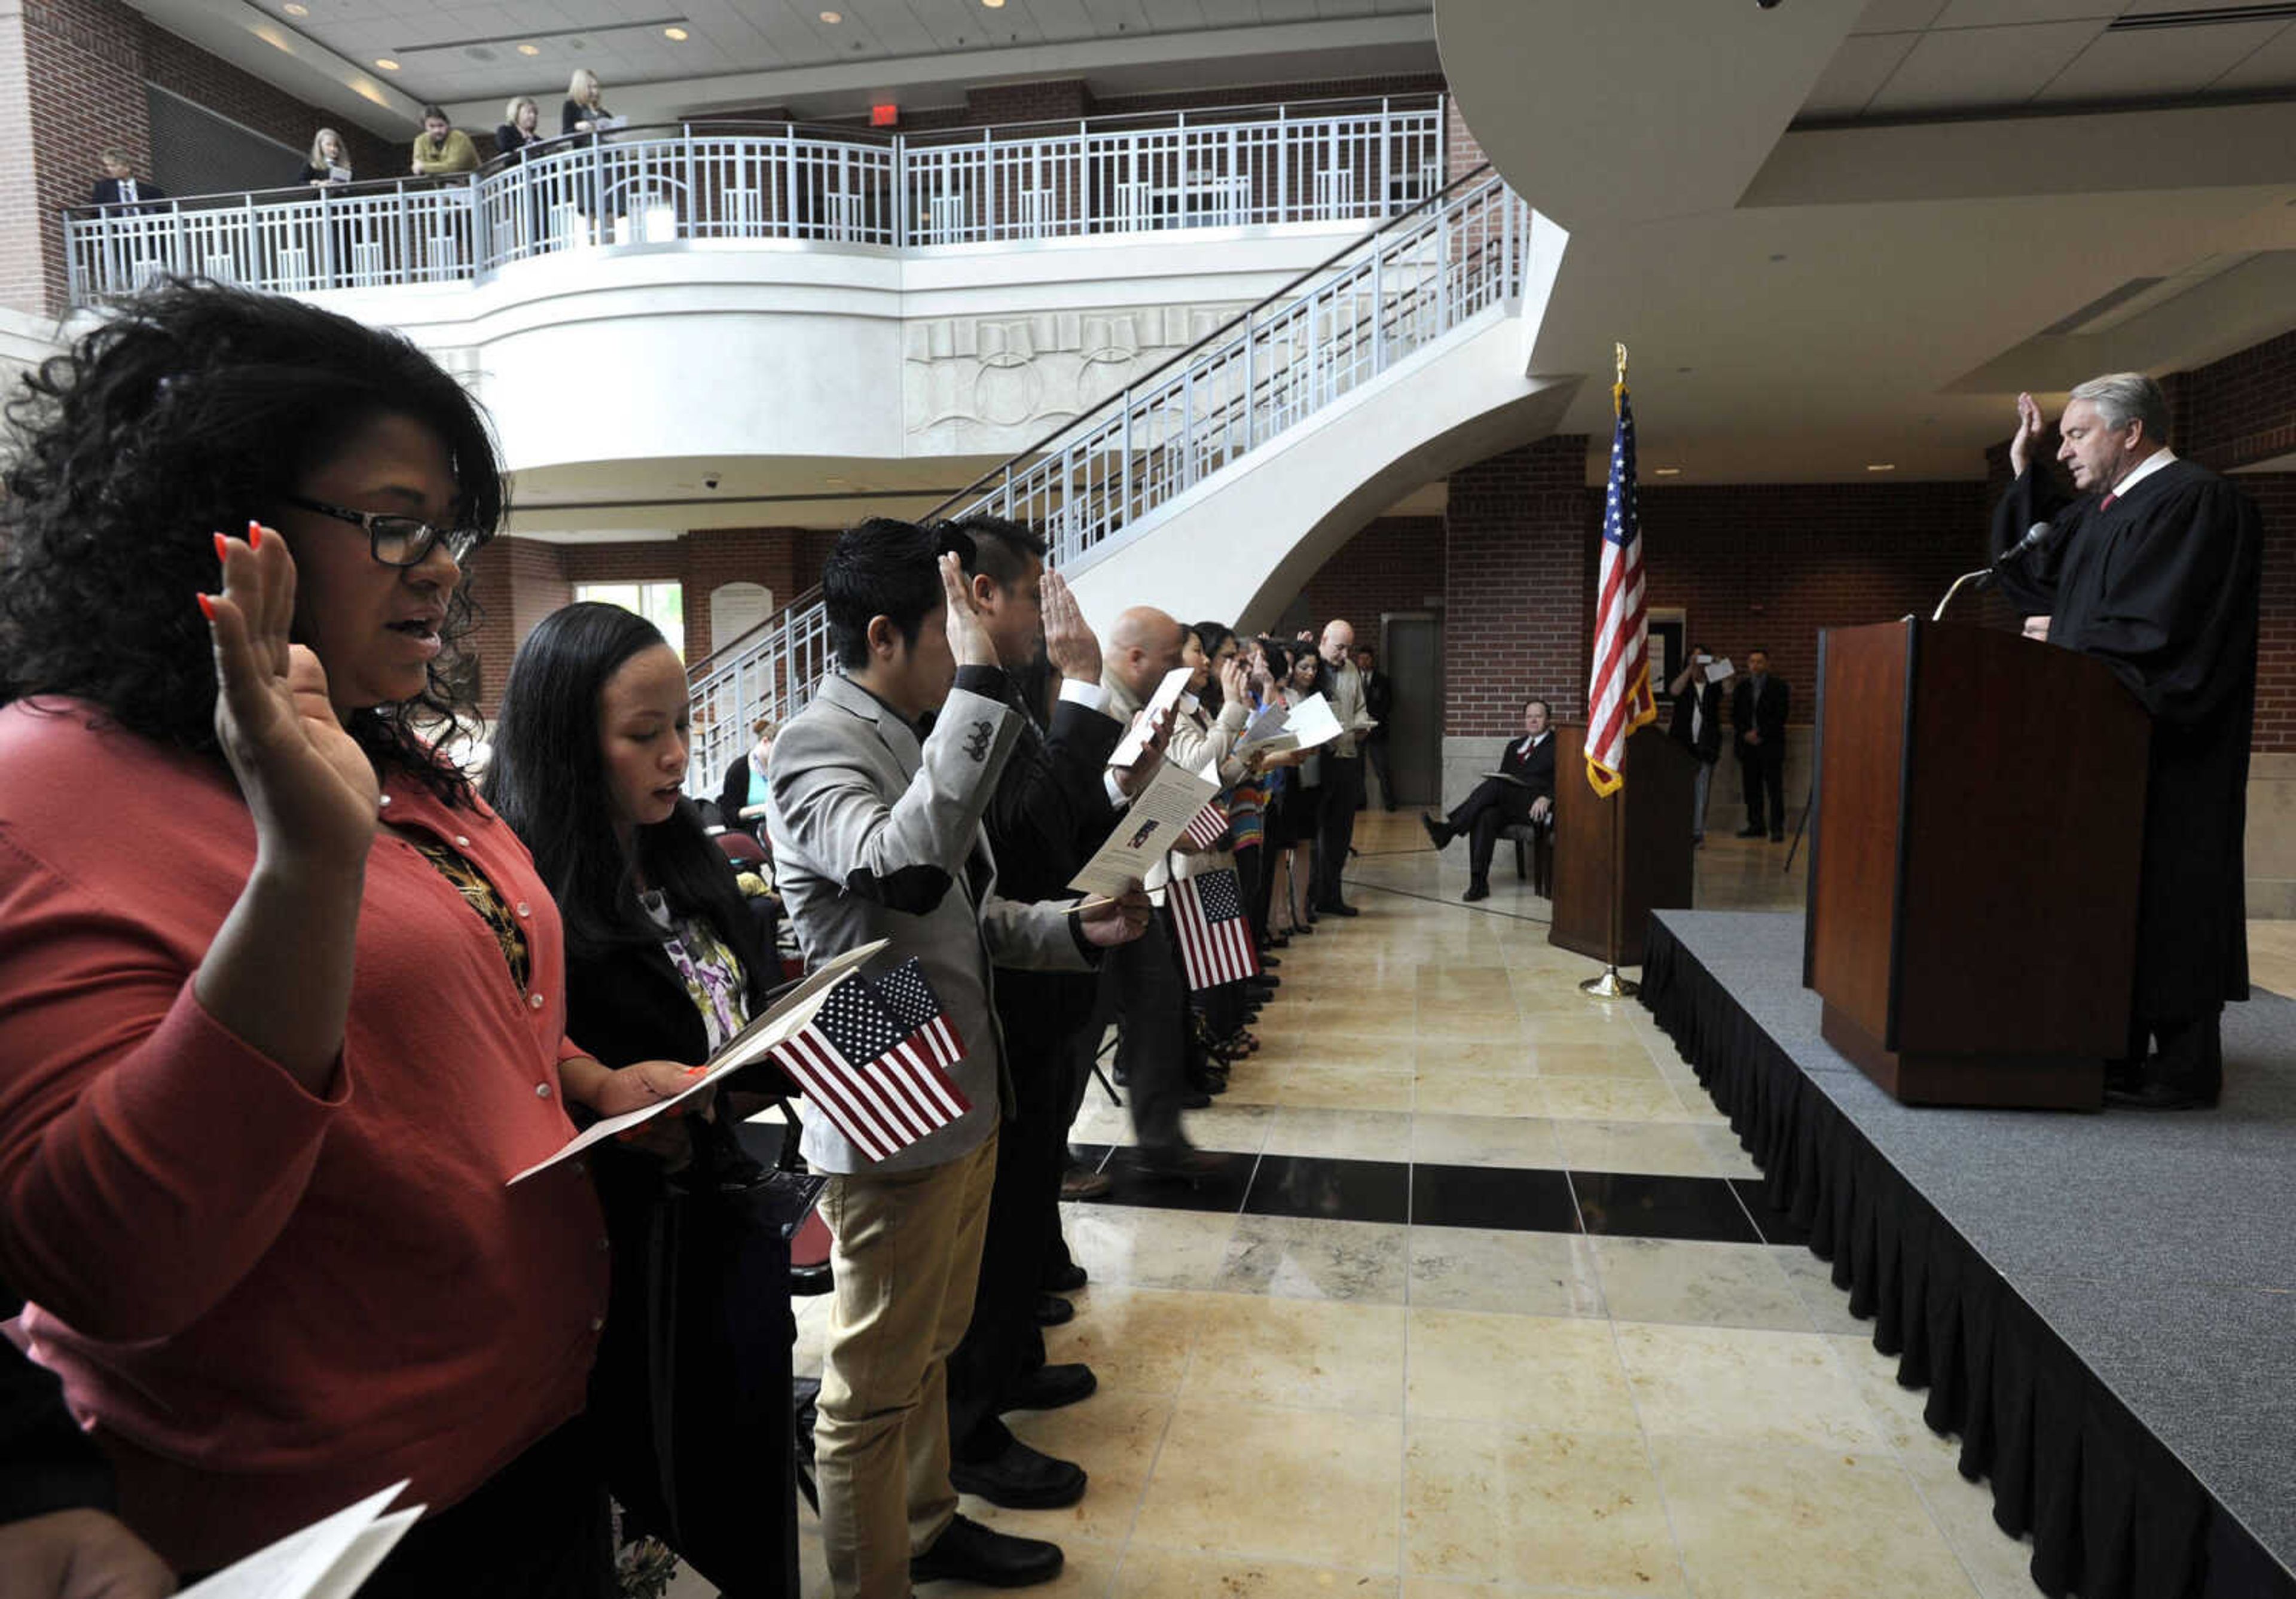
[(2152, 567), (1523, 790)]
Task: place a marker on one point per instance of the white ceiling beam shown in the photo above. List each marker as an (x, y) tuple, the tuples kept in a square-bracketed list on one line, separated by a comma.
[(257, 43)]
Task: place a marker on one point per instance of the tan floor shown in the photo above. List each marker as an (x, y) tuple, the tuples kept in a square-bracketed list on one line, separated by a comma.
[(1295, 1409)]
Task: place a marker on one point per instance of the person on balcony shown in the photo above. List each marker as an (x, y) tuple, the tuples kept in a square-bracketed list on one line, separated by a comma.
[(329, 162), (442, 150), (521, 125), (253, 1102), (585, 111), (119, 186), (741, 797)]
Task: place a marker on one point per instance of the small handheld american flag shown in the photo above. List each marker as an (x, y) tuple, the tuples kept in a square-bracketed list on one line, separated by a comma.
[(1208, 828), (909, 994), (1215, 939), (850, 1062)]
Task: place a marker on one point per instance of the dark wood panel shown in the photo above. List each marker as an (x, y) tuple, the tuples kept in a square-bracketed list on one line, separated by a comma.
[(1853, 898), (2009, 1082), (1659, 868), (1584, 822)]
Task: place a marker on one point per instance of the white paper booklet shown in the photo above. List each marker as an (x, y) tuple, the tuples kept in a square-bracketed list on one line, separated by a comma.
[(791, 1012), (1263, 731), (327, 1560), (1717, 670), (1158, 816), (1166, 699), (1313, 724)]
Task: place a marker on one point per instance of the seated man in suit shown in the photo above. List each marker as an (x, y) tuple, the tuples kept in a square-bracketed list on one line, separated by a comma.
[(1523, 790)]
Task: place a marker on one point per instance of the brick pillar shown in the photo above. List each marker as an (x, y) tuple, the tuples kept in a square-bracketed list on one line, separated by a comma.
[(515, 583), (1517, 542), (1462, 152)]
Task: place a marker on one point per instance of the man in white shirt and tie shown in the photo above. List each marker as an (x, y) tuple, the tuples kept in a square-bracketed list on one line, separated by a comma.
[(1523, 790)]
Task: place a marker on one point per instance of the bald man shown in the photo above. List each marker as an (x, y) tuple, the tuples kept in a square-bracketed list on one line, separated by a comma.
[(1343, 769)]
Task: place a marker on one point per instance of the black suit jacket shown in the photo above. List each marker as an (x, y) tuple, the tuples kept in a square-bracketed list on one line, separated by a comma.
[(1708, 745), (1535, 771), (1768, 718), (628, 1004), (1379, 699), (107, 192)]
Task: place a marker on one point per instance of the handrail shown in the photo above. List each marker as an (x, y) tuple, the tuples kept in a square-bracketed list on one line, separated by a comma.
[(1394, 292)]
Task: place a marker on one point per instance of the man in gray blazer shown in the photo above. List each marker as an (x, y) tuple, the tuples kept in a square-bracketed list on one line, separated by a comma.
[(876, 829)]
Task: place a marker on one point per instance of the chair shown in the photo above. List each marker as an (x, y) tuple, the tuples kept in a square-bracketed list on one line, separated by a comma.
[(1534, 854), (741, 848)]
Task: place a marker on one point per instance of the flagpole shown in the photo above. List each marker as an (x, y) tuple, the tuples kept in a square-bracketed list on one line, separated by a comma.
[(1610, 985)]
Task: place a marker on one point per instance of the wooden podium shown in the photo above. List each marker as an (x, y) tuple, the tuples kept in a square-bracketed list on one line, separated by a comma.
[(1653, 807), (1978, 817)]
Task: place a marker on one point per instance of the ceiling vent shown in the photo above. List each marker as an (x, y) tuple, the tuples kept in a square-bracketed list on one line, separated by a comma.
[(2200, 16)]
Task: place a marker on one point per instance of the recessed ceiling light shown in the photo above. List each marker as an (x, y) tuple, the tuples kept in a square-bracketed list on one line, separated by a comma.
[(833, 17), (530, 50), (1880, 466), (1669, 471), (994, 4), (294, 9), (678, 34), (386, 64)]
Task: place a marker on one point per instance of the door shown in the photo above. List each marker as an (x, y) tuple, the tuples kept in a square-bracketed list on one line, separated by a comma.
[(1412, 654)]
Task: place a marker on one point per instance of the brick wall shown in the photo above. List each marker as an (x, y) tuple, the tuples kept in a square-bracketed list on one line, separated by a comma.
[(2275, 651), (1519, 535), (515, 583), (1394, 564), (83, 65)]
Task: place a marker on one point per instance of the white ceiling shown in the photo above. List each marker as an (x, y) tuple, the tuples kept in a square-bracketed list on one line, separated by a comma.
[(1918, 57), (456, 50)]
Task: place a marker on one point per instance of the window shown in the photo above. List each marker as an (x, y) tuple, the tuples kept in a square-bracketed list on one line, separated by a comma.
[(662, 604)]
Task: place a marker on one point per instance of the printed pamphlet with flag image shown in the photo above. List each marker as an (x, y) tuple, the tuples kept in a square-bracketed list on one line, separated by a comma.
[(1214, 937)]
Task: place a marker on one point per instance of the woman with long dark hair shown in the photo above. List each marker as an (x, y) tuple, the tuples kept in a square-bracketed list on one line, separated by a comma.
[(281, 1003)]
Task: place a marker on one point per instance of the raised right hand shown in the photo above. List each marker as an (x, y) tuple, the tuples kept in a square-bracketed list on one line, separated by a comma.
[(310, 786), (968, 638), (1233, 681), (2031, 425), (1069, 643)]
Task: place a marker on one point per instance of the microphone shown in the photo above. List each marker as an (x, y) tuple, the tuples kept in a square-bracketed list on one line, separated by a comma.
[(2035, 538)]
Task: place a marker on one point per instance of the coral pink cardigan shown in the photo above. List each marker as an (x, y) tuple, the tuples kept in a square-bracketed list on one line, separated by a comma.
[(263, 1303)]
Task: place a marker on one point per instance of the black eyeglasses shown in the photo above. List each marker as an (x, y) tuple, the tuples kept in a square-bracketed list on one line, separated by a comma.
[(400, 540)]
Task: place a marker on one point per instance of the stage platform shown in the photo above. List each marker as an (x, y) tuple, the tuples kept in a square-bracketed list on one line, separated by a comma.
[(2102, 1307)]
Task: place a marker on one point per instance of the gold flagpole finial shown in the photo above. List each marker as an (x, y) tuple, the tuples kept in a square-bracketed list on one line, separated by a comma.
[(1621, 351)]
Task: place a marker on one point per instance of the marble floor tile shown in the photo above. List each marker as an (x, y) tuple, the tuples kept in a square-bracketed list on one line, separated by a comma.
[(1168, 1574), (1136, 1340), (1289, 1484), (2000, 1566), (1554, 1373), (1638, 1205), (1629, 1063), (1789, 1523), (1100, 1122), (1347, 1134), (1744, 1386), (1897, 1410), (1511, 1273), (1348, 1088), (1446, 1092), (1813, 1280), (1301, 1354), (1728, 1155), (1228, 1124), (1440, 1138), (1708, 1284), (1329, 1190), (1543, 1026), (1297, 1257), (1497, 1056), (1657, 1147), (1148, 1249), (1507, 1199), (1576, 1511), (1114, 1437), (1613, 1099)]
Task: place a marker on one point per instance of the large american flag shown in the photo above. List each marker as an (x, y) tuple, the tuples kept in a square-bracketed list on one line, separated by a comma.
[(1208, 828), (909, 994), (1215, 938), (1618, 697), (849, 1061)]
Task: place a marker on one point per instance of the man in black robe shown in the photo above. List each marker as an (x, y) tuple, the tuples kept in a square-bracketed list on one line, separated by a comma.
[(2153, 569)]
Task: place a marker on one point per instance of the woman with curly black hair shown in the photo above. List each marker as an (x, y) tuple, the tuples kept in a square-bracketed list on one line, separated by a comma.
[(281, 1003)]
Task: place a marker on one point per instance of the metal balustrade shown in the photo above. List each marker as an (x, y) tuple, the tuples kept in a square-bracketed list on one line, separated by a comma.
[(1295, 354), (1333, 162)]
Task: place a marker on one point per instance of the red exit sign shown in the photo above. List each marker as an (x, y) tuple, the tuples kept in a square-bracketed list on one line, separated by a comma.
[(884, 116)]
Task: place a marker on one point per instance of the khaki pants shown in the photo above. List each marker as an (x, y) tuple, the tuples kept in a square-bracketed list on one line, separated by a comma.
[(905, 1260)]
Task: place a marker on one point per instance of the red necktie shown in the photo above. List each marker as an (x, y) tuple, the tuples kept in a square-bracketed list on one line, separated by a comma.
[(2106, 504)]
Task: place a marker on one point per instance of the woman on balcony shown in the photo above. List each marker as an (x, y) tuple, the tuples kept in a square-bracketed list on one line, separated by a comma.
[(585, 111), (277, 1027), (330, 162), (521, 125)]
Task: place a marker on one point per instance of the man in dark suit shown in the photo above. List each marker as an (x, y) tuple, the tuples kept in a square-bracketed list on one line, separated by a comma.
[(1379, 699), (1521, 790), (1697, 727), (119, 186), (1758, 712)]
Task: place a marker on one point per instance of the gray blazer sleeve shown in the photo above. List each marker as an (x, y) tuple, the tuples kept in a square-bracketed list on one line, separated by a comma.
[(902, 854), (1032, 935)]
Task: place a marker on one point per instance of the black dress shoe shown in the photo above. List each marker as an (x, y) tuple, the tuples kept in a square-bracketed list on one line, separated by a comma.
[(1067, 1280), (1051, 1310), (971, 1553), (1266, 979), (1195, 1100), (1337, 909), (1477, 890), (1019, 1478), (2157, 1097), (1439, 833), (2125, 1076), (1050, 1387), (1268, 960)]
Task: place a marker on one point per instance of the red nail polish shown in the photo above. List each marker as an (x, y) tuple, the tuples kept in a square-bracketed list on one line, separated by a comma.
[(223, 547), (695, 1070), (254, 536), (207, 607)]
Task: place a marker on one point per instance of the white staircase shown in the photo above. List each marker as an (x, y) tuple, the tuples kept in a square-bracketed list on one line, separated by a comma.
[(1214, 485)]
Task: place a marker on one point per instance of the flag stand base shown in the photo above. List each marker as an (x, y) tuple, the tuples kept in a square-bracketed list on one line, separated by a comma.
[(1609, 986)]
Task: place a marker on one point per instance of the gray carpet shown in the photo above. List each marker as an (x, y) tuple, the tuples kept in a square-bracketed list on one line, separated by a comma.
[(2161, 1248)]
